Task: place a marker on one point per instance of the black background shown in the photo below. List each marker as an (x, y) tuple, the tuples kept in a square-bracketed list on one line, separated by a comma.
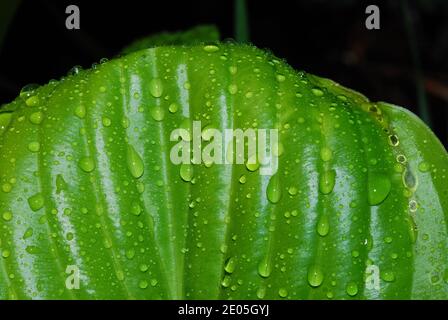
[(324, 37)]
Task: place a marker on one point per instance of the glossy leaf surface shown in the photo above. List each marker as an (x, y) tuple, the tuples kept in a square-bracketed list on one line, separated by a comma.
[(356, 210)]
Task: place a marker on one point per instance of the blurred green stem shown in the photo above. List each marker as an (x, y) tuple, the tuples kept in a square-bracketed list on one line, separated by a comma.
[(241, 21), (418, 78)]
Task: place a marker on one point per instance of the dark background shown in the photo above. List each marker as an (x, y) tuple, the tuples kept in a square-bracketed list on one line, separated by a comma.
[(405, 62)]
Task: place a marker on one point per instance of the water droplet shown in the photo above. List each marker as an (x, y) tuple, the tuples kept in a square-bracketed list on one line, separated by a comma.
[(401, 159), (6, 253), (80, 111), (252, 163), (173, 107), (6, 187), (233, 70), (36, 202), (352, 289), (379, 186), (230, 265), (36, 117), (315, 276), (413, 205), (5, 120), (292, 191), (74, 70), (282, 292), (106, 121), (233, 89), (317, 92), (393, 140), (211, 48), (280, 77), (34, 146), (28, 90), (226, 281), (143, 284), (326, 154), (87, 164), (327, 181), (424, 166), (242, 179), (409, 180), (143, 267), (388, 276), (273, 191), (261, 292), (186, 172), (156, 87), (32, 101), (130, 254), (7, 215), (323, 226), (136, 209), (135, 162), (157, 113), (28, 233), (265, 267)]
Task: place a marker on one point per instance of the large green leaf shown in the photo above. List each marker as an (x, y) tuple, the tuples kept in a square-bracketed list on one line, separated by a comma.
[(87, 181)]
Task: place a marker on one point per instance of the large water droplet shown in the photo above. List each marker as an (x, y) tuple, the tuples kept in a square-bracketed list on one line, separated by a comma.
[(265, 267), (7, 215), (36, 117), (87, 164), (261, 292), (36, 202), (157, 113), (135, 162), (409, 180), (233, 89), (80, 111), (424, 166), (210, 48), (74, 70), (252, 164), (352, 289), (230, 265), (317, 92), (327, 181), (388, 276), (32, 101), (28, 233), (28, 90), (326, 154), (379, 186), (315, 276), (323, 226), (273, 191), (186, 172), (5, 120), (283, 293), (173, 107), (156, 87), (34, 146)]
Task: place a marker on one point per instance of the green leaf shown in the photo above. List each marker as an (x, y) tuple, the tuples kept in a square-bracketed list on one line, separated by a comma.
[(356, 210), (196, 35)]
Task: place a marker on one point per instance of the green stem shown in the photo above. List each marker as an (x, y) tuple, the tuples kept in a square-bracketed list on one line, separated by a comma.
[(241, 21), (418, 78)]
